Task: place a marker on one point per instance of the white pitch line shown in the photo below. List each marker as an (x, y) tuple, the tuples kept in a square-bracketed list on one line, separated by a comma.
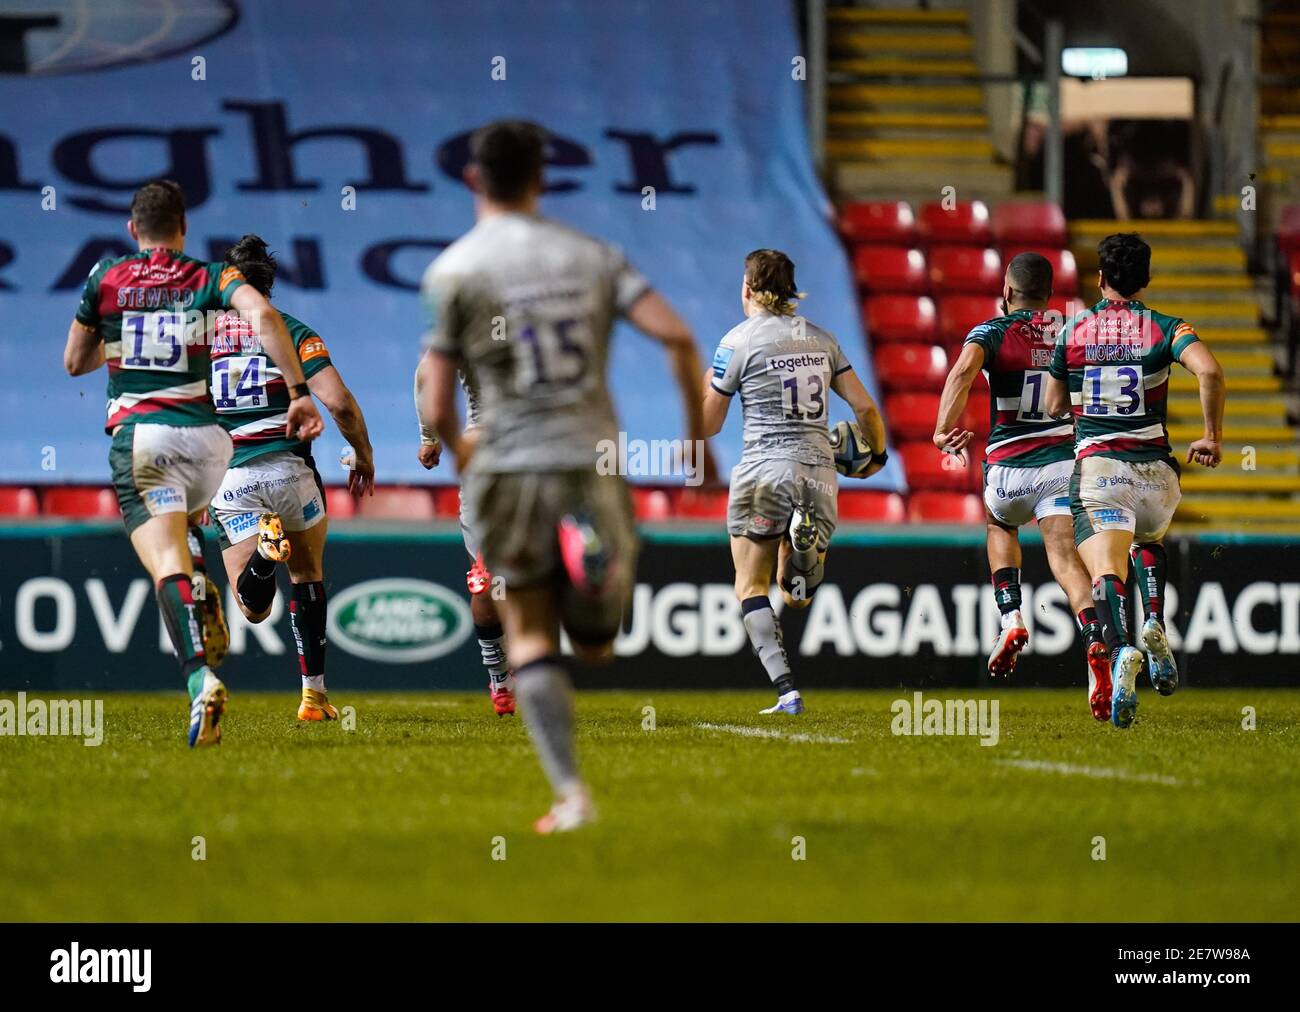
[(765, 732), (1096, 772)]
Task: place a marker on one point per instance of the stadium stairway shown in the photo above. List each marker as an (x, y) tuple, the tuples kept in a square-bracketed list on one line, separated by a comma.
[(906, 111), (1279, 104), (1199, 273)]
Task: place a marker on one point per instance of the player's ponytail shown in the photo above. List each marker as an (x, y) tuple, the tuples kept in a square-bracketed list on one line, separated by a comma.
[(769, 273), (255, 261)]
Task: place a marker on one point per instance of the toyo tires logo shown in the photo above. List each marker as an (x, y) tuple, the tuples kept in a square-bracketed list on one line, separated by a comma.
[(398, 621)]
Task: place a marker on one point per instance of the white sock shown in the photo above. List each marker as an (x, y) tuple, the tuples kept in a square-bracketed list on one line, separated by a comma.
[(316, 682), (1009, 618)]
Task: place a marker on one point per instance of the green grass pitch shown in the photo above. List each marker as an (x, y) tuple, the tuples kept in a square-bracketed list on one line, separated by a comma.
[(402, 817)]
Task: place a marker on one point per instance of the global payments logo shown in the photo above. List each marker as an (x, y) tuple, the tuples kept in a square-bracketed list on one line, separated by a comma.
[(398, 621)]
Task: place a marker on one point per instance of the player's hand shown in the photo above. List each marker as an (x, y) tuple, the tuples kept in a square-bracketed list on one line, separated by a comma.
[(429, 455), (954, 441), (302, 420), (361, 478), (1206, 452)]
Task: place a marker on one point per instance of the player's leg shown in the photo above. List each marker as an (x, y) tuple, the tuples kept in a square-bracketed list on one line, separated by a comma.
[(1104, 525), (487, 624), (252, 538), (308, 617), (801, 566), (1008, 503), (516, 515), (216, 632), (1066, 566), (1150, 565), (156, 496), (754, 559)]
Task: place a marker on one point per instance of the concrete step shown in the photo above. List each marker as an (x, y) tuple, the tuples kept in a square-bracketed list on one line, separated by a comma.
[(1186, 383), (1254, 433), (921, 181), (1235, 510), (895, 16), (1249, 408), (949, 98), (1266, 459), (901, 66), (1096, 229), (927, 123), (881, 149), (927, 45)]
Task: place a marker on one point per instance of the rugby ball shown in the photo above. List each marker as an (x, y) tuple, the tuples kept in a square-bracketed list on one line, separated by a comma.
[(851, 452)]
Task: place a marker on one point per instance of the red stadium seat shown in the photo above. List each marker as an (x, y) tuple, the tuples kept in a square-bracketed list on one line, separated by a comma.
[(878, 221), (18, 502), (959, 314), (1065, 273), (446, 501), (890, 269), (702, 504), (945, 508), (911, 366), (966, 223), (928, 470), (1288, 229), (397, 504), (911, 415), (339, 504), (894, 318), (80, 503), (866, 506), (973, 269), (1036, 223), (652, 503)]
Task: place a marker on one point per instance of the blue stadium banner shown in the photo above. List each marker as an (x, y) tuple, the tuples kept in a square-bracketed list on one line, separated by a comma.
[(685, 158)]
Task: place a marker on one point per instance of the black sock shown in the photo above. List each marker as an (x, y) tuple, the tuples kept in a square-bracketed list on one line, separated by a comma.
[(1089, 627), (307, 616), (1006, 589), (1109, 594), (256, 584)]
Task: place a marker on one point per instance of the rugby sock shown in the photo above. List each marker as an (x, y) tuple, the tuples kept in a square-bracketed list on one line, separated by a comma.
[(256, 584), (1006, 590), (1089, 627), (810, 576), (546, 696), (765, 638), (307, 614), (492, 646), (1149, 562), (1109, 597), (184, 622)]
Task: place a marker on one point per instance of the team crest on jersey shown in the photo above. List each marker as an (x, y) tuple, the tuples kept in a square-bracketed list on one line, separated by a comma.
[(722, 359)]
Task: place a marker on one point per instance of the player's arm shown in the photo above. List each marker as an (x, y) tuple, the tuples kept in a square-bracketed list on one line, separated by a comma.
[(1201, 363), (652, 315), (850, 388), (715, 406), (84, 351), (328, 387), (948, 435), (304, 421), (1056, 398), (430, 448), (439, 406)]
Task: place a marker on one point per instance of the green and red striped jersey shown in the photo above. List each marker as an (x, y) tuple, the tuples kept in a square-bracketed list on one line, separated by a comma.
[(1017, 355), (249, 391), (1116, 358), (150, 309)]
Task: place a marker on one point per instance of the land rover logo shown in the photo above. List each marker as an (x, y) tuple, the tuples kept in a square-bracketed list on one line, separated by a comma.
[(398, 621)]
